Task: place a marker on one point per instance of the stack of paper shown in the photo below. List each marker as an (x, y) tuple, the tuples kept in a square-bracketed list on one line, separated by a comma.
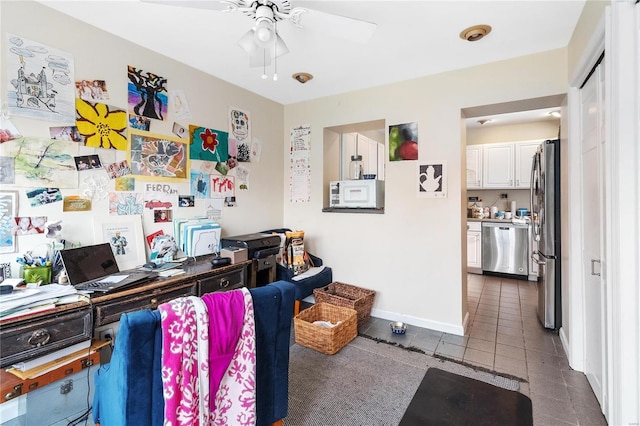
[(30, 300)]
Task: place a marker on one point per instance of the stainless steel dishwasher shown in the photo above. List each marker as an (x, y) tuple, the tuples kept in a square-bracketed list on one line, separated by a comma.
[(505, 248)]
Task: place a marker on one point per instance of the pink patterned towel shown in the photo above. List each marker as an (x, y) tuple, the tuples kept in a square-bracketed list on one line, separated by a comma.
[(232, 357)]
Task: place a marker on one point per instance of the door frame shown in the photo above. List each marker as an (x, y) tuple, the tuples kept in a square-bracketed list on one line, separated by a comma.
[(616, 34)]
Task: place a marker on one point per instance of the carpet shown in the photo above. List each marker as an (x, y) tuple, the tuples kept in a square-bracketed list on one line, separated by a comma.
[(365, 383), (445, 398)]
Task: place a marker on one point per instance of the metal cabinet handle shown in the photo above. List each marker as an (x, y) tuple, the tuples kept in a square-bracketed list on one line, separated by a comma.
[(593, 269), (39, 338), (224, 283)]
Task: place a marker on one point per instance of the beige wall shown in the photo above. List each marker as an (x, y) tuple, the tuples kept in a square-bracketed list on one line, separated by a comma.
[(413, 254), (589, 19), (547, 129), (99, 55)]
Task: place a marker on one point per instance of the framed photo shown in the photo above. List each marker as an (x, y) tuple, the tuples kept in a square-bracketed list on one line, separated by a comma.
[(158, 157), (432, 179), (8, 212), (124, 233)]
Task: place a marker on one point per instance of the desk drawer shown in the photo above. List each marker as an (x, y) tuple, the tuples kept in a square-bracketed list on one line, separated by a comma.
[(32, 338), (224, 282), (111, 311)]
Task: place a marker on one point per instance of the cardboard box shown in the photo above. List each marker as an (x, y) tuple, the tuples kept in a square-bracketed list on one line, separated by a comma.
[(236, 254)]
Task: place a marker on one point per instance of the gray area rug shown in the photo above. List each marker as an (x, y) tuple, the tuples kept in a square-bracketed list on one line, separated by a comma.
[(365, 383)]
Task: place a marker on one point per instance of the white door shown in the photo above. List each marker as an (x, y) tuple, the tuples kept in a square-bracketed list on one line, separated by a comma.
[(592, 136)]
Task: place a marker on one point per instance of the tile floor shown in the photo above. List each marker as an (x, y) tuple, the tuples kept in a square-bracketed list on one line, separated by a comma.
[(504, 335)]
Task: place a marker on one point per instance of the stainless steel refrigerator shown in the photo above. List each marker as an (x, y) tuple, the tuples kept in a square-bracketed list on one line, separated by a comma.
[(545, 211)]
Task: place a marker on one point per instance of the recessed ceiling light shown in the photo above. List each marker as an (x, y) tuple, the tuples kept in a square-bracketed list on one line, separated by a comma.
[(475, 33), (302, 77), (484, 121)]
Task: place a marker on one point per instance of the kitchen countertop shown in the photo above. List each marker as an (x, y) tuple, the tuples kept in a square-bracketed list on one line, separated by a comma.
[(473, 219)]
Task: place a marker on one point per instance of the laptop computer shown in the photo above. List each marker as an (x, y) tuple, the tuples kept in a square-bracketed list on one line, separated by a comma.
[(94, 268)]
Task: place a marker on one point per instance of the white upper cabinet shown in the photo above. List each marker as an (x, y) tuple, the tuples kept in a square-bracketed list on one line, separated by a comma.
[(524, 157), (474, 167), (498, 166), (371, 151)]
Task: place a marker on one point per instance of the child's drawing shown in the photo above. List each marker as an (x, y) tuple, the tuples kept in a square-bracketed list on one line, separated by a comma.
[(147, 94), (41, 84), (241, 133), (127, 203), (158, 156), (43, 162), (208, 144), (102, 125)]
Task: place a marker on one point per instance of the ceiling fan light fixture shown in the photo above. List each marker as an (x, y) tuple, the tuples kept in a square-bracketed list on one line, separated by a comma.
[(475, 32), (264, 33), (302, 77)]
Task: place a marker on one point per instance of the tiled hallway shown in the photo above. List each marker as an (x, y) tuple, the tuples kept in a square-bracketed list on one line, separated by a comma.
[(504, 335)]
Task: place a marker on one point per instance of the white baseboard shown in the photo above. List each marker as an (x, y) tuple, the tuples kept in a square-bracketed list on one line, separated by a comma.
[(422, 322)]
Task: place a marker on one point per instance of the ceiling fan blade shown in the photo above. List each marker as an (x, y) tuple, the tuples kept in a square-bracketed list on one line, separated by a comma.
[(195, 4), (338, 26)]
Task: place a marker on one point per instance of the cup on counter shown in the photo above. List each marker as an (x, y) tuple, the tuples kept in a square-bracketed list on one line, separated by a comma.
[(507, 215), (500, 215), (494, 212)]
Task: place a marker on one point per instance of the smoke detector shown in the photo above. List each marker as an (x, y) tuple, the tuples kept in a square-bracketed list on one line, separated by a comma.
[(475, 33)]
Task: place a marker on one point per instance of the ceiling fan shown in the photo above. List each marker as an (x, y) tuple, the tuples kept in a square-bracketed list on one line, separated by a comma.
[(262, 42)]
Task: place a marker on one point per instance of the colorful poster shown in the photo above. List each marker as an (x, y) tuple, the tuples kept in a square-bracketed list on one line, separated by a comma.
[(103, 126), (159, 157), (147, 94), (41, 84), (208, 144)]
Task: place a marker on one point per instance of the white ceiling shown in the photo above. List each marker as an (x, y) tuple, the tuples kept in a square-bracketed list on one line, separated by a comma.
[(412, 39)]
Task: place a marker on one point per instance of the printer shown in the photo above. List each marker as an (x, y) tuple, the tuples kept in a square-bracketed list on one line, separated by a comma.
[(262, 248), (258, 245)]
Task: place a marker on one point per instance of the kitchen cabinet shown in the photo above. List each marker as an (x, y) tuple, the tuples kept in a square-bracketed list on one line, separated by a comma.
[(524, 157), (474, 167), (474, 247), (371, 151), (498, 166)]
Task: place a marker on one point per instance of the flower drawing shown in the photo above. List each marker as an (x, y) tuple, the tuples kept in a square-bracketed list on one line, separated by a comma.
[(209, 140), (103, 126)]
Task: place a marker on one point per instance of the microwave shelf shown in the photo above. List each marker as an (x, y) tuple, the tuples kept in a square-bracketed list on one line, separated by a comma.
[(353, 210)]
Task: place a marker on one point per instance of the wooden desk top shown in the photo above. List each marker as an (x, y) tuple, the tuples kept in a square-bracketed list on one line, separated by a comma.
[(193, 272)]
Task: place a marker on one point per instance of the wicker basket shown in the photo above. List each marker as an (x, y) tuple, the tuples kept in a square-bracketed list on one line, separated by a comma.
[(324, 339), (348, 296)]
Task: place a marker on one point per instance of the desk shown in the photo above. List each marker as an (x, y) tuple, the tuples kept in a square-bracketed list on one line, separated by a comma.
[(41, 333)]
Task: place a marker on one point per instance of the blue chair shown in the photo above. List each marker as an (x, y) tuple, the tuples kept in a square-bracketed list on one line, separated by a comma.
[(128, 390)]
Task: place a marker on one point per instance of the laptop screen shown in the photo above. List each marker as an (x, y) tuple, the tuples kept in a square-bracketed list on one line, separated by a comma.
[(89, 262)]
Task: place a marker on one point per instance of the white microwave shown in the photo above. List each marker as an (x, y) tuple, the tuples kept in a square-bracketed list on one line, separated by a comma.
[(365, 193)]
